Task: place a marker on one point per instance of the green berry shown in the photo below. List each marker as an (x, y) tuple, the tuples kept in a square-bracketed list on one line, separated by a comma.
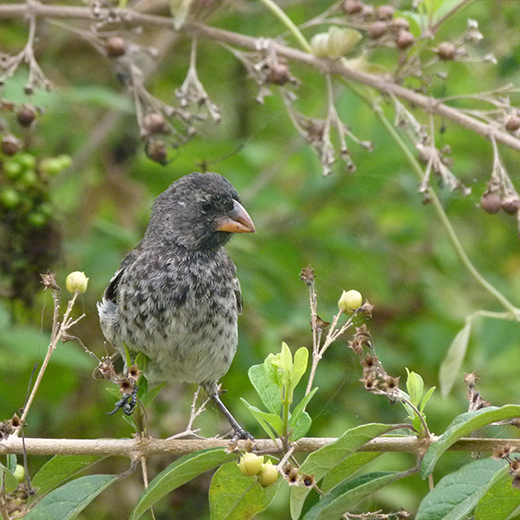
[(50, 166), (29, 179), (250, 464), (45, 208), (65, 161), (350, 300), (11, 169), (76, 282), (27, 161), (36, 219), (268, 475), (19, 473), (10, 198)]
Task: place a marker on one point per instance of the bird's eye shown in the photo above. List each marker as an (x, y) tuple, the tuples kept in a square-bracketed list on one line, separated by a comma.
[(206, 207)]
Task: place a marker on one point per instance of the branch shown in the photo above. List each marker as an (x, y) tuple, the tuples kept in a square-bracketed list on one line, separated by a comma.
[(138, 448), (381, 84)]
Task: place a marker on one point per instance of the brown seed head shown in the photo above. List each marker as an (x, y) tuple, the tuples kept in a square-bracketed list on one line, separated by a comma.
[(400, 24), (10, 145), (157, 151), (512, 123), (307, 480), (404, 39), (511, 204), (491, 202), (26, 115), (446, 51), (384, 12), (352, 6), (115, 46), (307, 275), (279, 74), (377, 29), (154, 123)]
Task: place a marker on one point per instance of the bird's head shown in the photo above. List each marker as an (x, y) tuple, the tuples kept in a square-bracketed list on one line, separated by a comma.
[(198, 211)]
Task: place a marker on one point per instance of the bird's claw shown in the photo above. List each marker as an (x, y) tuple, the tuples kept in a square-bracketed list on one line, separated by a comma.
[(127, 403), (242, 434)]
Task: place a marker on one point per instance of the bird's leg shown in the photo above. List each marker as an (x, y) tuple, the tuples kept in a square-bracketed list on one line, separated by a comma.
[(127, 402), (213, 392)]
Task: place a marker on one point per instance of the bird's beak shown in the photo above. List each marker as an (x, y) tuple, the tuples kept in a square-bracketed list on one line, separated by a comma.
[(236, 221)]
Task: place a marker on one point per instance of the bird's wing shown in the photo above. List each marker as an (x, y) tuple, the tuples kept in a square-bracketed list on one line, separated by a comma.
[(110, 293), (238, 295)]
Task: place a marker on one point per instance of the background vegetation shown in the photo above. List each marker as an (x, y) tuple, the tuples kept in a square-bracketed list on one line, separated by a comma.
[(369, 230)]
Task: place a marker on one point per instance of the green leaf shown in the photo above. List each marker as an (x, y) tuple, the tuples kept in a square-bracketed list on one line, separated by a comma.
[(501, 500), (415, 387), (181, 471), (152, 394), (349, 494), (286, 365), (302, 426), (347, 468), (233, 496), (458, 493), (300, 407), (325, 459), (58, 469), (426, 398), (268, 391), (450, 367), (268, 421), (463, 425), (12, 462), (7, 479), (70, 499), (301, 358)]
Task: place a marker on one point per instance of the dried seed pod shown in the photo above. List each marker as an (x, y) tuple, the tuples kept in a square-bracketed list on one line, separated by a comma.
[(491, 202), (384, 12), (352, 6), (446, 51), (26, 115), (404, 39), (115, 46), (377, 29), (157, 151), (10, 145), (511, 204)]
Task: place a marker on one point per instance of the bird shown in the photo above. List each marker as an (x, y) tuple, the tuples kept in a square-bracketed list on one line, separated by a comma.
[(176, 296)]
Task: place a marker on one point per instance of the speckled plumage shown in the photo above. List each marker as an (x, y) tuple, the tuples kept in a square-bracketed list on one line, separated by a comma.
[(176, 297)]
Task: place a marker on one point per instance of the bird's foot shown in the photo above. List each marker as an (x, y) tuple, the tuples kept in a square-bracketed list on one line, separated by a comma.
[(127, 403)]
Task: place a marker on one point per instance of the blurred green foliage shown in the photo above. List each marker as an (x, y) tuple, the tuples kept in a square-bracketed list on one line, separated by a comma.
[(369, 230)]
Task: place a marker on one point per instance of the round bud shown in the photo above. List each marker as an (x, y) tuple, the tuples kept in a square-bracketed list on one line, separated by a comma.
[(268, 474), (511, 204), (115, 46), (352, 6), (376, 30), (76, 282), (10, 145), (400, 24), (512, 123), (404, 39), (26, 115), (156, 150), (491, 202), (154, 123), (446, 51), (250, 464), (350, 300), (19, 473), (278, 74), (384, 12), (10, 198)]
